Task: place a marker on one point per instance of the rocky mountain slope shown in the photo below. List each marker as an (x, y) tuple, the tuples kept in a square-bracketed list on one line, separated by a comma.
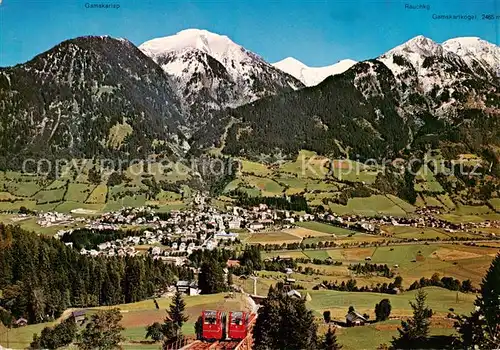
[(417, 94), (85, 97), (209, 71), (311, 76), (99, 96), (481, 56)]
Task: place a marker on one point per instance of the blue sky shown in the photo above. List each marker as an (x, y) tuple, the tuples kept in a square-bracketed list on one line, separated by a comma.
[(315, 32)]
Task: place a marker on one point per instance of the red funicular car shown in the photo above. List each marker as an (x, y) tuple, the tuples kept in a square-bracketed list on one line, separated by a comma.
[(212, 325), (238, 325)]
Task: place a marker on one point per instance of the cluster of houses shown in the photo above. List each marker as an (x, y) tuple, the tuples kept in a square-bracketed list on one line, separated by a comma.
[(110, 249), (371, 224), (129, 216), (53, 218), (432, 221), (180, 232)]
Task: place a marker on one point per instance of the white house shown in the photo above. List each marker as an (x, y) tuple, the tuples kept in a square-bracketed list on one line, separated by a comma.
[(231, 236)]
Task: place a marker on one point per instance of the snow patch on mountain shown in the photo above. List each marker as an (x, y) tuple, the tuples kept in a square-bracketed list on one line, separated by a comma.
[(414, 51), (441, 65), (311, 76), (233, 56), (476, 52), (473, 51)]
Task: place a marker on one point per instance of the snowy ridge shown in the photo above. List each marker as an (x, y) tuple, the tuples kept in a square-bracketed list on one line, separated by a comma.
[(441, 71), (209, 71), (311, 76), (474, 51), (415, 51), (428, 65), (220, 47)]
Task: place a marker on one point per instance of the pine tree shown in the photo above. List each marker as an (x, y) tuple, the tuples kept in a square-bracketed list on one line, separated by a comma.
[(211, 278), (176, 310), (103, 331), (382, 310), (327, 316), (489, 300), (482, 327), (414, 332), (330, 341), (172, 326), (279, 315)]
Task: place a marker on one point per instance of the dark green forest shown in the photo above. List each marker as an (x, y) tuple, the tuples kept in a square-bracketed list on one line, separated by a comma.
[(41, 277)]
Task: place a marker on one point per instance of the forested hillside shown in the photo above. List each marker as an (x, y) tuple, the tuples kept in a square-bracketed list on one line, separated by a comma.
[(372, 112), (87, 97), (41, 277)]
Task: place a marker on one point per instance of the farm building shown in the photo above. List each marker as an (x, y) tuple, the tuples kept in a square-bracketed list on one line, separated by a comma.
[(189, 288), (354, 318), (255, 226), (233, 263), (79, 316), (234, 224), (21, 322), (222, 235), (294, 293)]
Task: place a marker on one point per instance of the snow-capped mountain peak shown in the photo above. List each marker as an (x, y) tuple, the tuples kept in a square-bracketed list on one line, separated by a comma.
[(210, 71), (415, 50), (479, 54), (466, 44), (218, 46), (311, 76), (289, 63)]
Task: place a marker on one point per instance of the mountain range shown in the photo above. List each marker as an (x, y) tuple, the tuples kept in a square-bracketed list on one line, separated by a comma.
[(100, 96)]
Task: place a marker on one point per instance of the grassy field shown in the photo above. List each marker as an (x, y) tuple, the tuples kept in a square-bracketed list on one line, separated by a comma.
[(273, 238), (326, 228), (438, 299), (73, 190), (254, 168), (302, 232), (317, 254), (495, 203), (370, 336), (137, 316), (321, 180), (98, 195), (50, 196), (370, 206), (310, 176), (316, 232), (78, 192), (413, 261)]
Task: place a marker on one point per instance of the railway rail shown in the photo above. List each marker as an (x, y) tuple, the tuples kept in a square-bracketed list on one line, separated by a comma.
[(218, 345)]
